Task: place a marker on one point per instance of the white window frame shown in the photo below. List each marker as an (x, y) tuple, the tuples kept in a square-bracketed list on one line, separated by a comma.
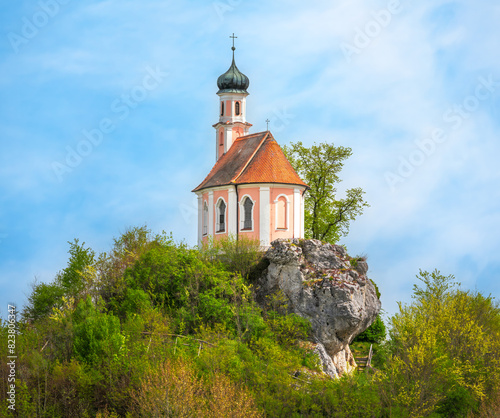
[(287, 213), (217, 216), (242, 213)]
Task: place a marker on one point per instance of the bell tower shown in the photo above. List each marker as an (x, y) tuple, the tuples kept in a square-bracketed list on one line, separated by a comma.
[(232, 94)]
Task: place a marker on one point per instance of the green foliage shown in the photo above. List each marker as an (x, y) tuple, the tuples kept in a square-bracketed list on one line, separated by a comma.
[(136, 301), (71, 277), (97, 335), (445, 350), (351, 396), (238, 254), (127, 249), (68, 282), (327, 217), (376, 289), (288, 329), (42, 299), (155, 328), (375, 333)]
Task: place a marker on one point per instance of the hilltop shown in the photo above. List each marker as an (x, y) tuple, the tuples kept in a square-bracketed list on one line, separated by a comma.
[(155, 328)]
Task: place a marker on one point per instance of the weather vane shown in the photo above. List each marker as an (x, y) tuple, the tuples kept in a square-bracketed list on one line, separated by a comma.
[(267, 122)]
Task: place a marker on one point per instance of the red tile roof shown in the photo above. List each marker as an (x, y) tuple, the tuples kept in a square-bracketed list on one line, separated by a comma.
[(255, 158)]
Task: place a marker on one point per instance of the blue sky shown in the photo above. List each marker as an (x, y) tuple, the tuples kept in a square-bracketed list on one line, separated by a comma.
[(412, 87)]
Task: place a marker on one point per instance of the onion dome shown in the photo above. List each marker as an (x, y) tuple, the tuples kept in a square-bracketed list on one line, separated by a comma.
[(233, 80)]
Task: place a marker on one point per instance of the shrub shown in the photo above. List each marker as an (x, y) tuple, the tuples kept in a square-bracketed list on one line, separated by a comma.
[(97, 336), (173, 389), (238, 254), (192, 290), (445, 350), (375, 333)]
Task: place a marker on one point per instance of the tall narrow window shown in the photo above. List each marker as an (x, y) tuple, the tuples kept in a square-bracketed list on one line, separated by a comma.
[(237, 108), (221, 141), (205, 218), (221, 216), (247, 216), (281, 210), (222, 108)]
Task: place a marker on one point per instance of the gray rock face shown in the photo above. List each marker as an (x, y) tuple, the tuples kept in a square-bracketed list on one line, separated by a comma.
[(326, 361), (321, 285)]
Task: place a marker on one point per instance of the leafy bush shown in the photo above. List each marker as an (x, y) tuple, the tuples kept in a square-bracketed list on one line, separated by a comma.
[(288, 329), (105, 332), (375, 333), (238, 254), (68, 282), (445, 350), (97, 336), (42, 299), (190, 289), (172, 388)]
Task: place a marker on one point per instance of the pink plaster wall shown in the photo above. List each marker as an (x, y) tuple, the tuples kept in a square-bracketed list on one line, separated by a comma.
[(217, 194), (237, 132), (224, 195), (281, 233), (221, 147), (254, 194)]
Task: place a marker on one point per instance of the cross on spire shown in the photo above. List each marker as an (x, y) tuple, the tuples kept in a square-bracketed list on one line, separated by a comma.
[(234, 37), (267, 122)]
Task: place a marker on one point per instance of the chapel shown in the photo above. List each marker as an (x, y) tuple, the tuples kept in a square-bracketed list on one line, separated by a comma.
[(252, 190)]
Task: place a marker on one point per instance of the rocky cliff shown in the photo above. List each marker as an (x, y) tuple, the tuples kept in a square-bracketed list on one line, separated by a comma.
[(322, 284)]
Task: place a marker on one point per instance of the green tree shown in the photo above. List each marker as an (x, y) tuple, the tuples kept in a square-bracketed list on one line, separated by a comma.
[(71, 277), (97, 335), (445, 350), (327, 217), (68, 282), (236, 254), (375, 333)]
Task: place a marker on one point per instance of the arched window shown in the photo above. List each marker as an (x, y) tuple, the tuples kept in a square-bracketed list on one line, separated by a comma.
[(281, 213), (237, 108), (221, 216), (221, 141), (247, 213), (222, 108), (205, 218)]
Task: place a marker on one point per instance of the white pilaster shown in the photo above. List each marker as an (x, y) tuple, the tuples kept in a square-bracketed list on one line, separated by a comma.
[(217, 145), (211, 213), (296, 213), (265, 216), (232, 207), (302, 214), (200, 218), (228, 138)]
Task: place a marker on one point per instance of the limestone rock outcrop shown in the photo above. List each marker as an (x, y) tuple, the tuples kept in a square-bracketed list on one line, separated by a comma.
[(323, 285)]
